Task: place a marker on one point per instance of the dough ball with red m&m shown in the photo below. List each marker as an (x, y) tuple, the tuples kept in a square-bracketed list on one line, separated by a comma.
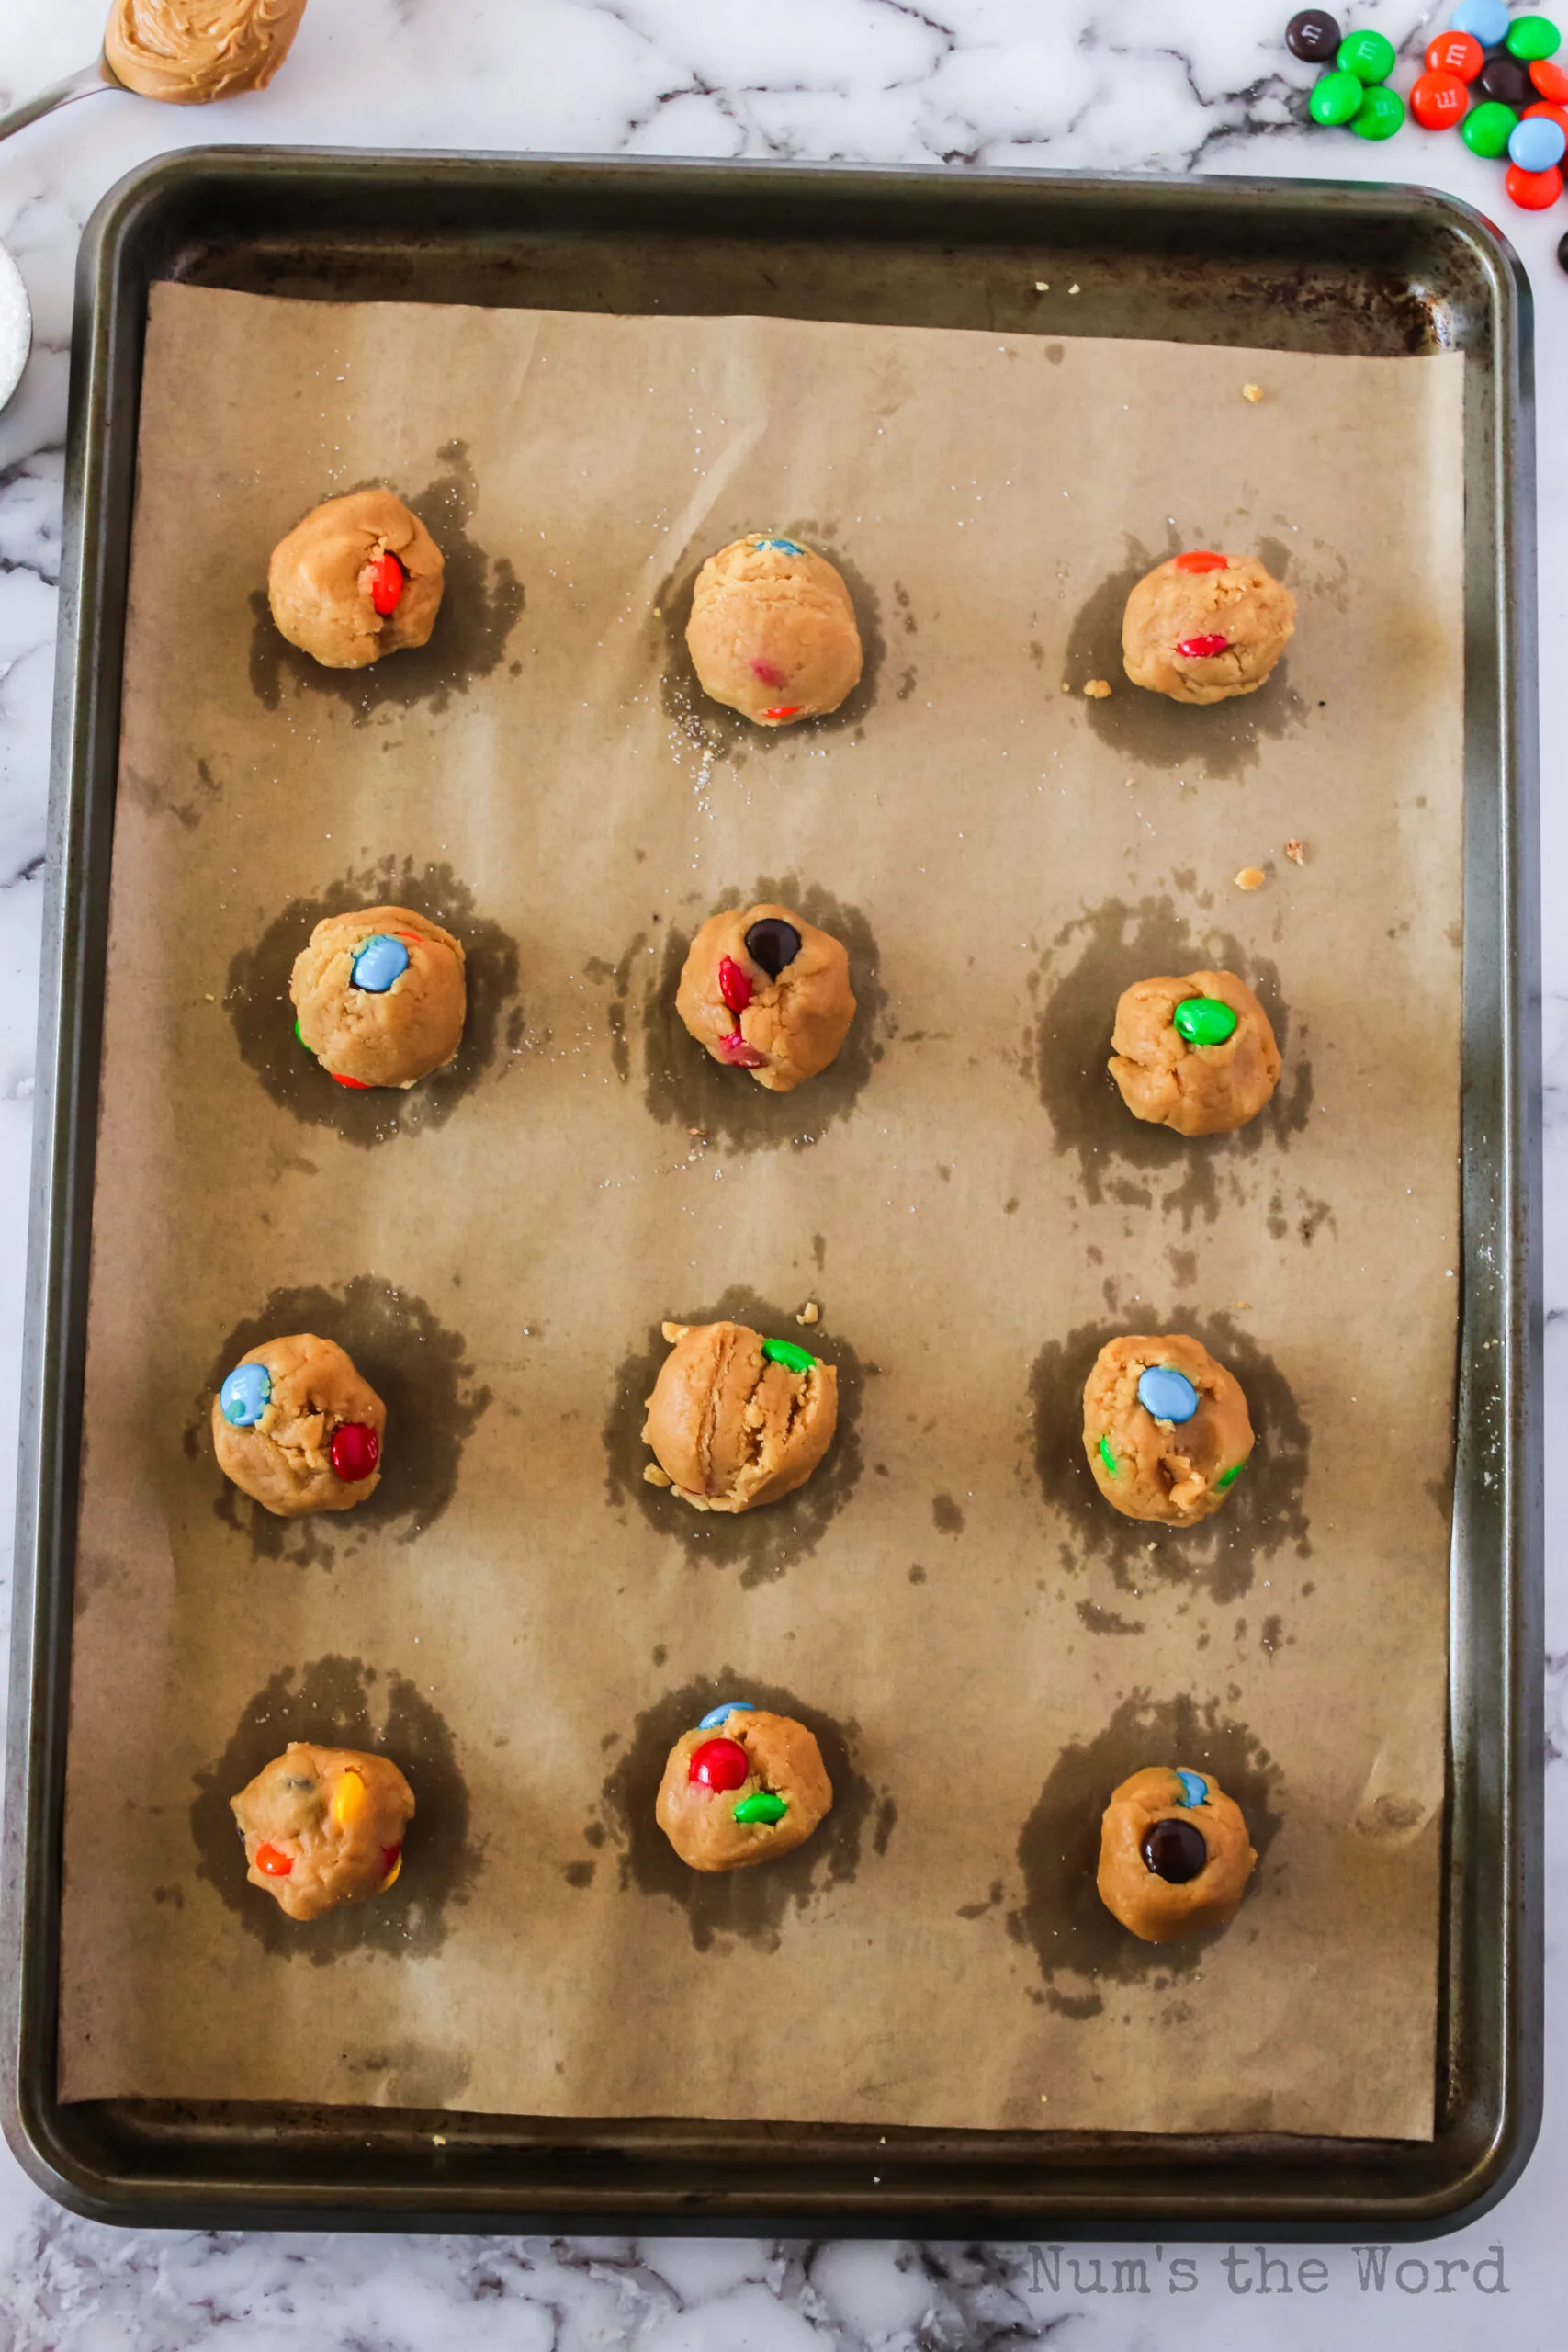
[(744, 1789), (764, 990), (1202, 627), (359, 577), (323, 1825), (297, 1428), (380, 996), (772, 632)]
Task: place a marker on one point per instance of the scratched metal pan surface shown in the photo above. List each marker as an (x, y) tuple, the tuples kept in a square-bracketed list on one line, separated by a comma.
[(1291, 264)]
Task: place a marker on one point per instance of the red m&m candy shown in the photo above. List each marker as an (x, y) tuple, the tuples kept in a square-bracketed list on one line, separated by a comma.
[(1534, 191), (386, 578), (1542, 109), (354, 1450), (1437, 100), (274, 1861), (718, 1764), (1203, 649), (1201, 560), (1550, 79), (734, 985), (1459, 53)]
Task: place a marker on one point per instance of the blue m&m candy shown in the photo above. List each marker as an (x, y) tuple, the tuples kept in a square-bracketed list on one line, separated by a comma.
[(785, 547), (1167, 1394), (246, 1394), (1537, 143), (378, 963), (715, 1715), (1194, 1787), (1488, 20)]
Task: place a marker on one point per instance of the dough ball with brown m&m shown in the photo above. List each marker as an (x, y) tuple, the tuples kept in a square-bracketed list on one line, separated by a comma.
[(765, 991), (323, 1825), (1165, 1428), (743, 1787), (1174, 1854), (359, 577), (773, 631), (735, 1420), (297, 1428), (1197, 1055), (1202, 628), (380, 996)]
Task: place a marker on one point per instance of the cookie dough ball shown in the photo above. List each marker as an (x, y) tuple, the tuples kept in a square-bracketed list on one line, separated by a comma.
[(189, 51), (298, 1429), (359, 577), (735, 1420), (773, 631), (1203, 627), (380, 996), (323, 1825), (744, 1787), (764, 990), (1196, 1053), (1165, 1428), (1174, 1854)]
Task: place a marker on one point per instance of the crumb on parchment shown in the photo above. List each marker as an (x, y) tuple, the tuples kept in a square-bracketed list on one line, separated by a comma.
[(1098, 688), (654, 1476), (809, 1313), (1251, 878), (1252, 392), (1043, 285), (1296, 852)]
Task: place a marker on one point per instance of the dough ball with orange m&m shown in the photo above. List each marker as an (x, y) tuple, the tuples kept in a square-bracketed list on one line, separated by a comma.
[(380, 996), (772, 632), (359, 577), (1202, 627), (323, 1825)]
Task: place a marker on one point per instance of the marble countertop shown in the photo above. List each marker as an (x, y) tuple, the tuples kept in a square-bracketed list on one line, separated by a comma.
[(1136, 86)]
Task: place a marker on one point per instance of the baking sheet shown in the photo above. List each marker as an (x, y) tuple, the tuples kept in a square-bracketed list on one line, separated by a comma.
[(525, 1623)]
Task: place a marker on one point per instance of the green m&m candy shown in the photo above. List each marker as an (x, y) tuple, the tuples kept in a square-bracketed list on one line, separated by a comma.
[(1107, 1456), (1379, 114), (1368, 56), (1487, 129), (784, 1352), (762, 1805), (1533, 37), (1205, 1020), (1227, 1478), (1334, 99)]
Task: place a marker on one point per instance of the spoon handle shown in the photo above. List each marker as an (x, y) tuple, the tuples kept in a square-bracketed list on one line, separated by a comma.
[(96, 76)]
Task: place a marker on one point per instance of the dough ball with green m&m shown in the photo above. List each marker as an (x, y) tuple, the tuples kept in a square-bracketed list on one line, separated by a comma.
[(297, 1428), (773, 631), (380, 996), (765, 991), (735, 1420), (359, 577), (1195, 1054), (1165, 1428), (745, 1786), (1202, 627), (1174, 1854), (323, 1825)]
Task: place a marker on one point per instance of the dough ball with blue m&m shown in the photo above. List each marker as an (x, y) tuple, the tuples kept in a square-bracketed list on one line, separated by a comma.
[(380, 996), (735, 1420), (297, 1428), (772, 632), (359, 577), (1174, 1854), (1196, 1053), (323, 1825), (744, 1789), (765, 991), (1165, 1428)]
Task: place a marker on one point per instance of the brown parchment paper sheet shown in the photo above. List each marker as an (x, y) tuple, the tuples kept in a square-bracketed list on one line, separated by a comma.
[(987, 1644)]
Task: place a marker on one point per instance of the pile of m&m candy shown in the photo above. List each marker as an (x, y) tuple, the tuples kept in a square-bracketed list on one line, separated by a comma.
[(1492, 76)]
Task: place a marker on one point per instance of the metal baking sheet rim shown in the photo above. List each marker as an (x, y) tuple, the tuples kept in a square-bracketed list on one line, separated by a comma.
[(186, 2164)]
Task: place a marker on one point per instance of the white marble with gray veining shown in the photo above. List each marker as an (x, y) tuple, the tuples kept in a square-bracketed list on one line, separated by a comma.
[(1091, 85)]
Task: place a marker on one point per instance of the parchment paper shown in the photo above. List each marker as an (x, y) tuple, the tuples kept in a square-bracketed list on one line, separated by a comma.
[(984, 1647)]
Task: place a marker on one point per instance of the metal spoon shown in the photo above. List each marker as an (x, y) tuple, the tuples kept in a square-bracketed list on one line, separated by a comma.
[(99, 75)]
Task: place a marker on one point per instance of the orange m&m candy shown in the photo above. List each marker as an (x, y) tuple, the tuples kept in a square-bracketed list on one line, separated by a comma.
[(1459, 53), (1550, 79), (1201, 560), (1533, 191), (1438, 101)]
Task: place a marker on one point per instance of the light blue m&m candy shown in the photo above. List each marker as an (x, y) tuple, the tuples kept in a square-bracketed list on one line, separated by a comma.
[(1167, 1394), (1536, 142), (1486, 21), (245, 1396), (1194, 1787), (378, 963), (785, 547), (715, 1715)]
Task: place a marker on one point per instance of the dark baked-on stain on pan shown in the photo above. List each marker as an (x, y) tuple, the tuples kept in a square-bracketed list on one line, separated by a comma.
[(762, 1542), (1265, 1511), (1082, 1950), (422, 1372), (263, 1014), (329, 1701), (683, 1086), (747, 1905), (1224, 739), (1089, 963), (481, 603)]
